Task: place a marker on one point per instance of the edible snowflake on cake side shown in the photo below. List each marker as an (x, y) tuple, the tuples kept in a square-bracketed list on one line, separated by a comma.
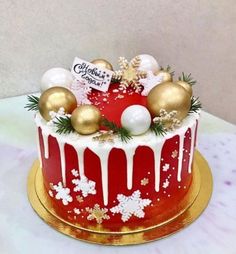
[(63, 194), (85, 186), (130, 205)]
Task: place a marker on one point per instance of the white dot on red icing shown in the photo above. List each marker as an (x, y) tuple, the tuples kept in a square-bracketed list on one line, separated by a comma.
[(147, 193), (82, 216), (176, 142), (158, 199), (168, 195), (151, 204), (179, 186), (164, 192), (149, 173), (114, 201), (162, 159), (184, 187), (184, 160), (173, 167)]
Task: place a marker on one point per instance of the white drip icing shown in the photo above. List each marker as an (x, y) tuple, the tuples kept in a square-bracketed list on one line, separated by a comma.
[(45, 144), (39, 149), (157, 163), (149, 140), (129, 153), (80, 156), (180, 158), (192, 132), (63, 162)]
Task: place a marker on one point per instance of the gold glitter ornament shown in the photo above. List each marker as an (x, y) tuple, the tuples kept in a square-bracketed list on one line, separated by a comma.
[(186, 86), (86, 119), (55, 98), (102, 63), (169, 96)]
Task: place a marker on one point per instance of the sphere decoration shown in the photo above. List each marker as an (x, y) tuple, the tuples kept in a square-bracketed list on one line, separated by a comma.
[(103, 64), (55, 98), (148, 63), (169, 96), (186, 86), (56, 77), (86, 119), (136, 119), (165, 76)]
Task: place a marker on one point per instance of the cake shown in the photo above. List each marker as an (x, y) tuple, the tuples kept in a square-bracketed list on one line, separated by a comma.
[(119, 159)]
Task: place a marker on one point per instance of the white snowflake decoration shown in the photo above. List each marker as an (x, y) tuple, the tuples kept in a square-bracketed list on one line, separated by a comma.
[(166, 184), (131, 205), (81, 92), (76, 211), (149, 82), (62, 193), (166, 167), (84, 185), (74, 172)]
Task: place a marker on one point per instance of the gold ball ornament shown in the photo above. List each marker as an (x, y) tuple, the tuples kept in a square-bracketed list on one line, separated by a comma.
[(103, 64), (55, 98), (186, 86), (169, 96), (165, 75), (86, 119)]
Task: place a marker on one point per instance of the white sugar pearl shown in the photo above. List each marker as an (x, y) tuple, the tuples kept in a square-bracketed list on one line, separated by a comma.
[(148, 63), (136, 119), (56, 77)]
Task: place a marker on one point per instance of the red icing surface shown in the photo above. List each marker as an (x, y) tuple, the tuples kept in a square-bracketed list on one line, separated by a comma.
[(164, 200), (113, 103)]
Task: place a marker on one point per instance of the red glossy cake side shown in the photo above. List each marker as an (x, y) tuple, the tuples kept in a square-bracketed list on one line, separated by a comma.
[(117, 185)]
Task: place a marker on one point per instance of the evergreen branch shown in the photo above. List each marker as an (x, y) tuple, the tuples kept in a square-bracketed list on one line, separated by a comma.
[(158, 129), (168, 69), (33, 103), (195, 105), (122, 132), (188, 79), (63, 125)]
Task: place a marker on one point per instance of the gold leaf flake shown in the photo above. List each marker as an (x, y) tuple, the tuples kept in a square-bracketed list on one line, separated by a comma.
[(144, 181), (105, 136)]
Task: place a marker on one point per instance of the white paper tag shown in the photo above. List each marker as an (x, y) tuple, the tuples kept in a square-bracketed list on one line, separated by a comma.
[(88, 73)]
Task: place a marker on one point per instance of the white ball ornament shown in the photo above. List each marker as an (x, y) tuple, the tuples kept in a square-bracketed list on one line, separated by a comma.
[(148, 63), (56, 77), (136, 119)]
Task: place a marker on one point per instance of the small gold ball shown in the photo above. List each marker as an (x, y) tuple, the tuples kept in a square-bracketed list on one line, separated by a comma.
[(186, 86), (166, 76), (86, 119), (169, 96), (103, 64), (55, 98)]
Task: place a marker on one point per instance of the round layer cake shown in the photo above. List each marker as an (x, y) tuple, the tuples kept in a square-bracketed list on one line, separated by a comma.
[(116, 185)]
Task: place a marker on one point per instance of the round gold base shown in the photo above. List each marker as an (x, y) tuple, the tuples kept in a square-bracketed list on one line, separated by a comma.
[(202, 181)]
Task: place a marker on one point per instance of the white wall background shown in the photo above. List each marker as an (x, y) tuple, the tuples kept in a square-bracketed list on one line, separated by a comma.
[(197, 36)]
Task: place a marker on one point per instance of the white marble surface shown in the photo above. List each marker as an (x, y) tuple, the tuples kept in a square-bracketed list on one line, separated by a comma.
[(23, 232)]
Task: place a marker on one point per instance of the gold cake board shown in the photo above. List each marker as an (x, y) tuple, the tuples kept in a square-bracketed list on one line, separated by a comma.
[(202, 182)]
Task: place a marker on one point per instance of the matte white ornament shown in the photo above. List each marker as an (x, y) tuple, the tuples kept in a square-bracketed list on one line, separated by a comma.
[(148, 63), (136, 119), (56, 77)]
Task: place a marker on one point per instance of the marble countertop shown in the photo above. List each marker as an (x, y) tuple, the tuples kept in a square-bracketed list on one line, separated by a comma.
[(23, 232)]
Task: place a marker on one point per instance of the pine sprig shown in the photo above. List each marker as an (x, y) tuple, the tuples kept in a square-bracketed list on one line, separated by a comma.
[(187, 78), (158, 129), (33, 103), (195, 105), (63, 125), (168, 69), (122, 132)]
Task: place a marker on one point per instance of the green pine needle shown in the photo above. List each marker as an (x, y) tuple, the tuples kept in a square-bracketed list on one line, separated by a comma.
[(168, 69), (188, 79), (33, 103), (122, 132), (195, 105), (158, 129), (63, 125)]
